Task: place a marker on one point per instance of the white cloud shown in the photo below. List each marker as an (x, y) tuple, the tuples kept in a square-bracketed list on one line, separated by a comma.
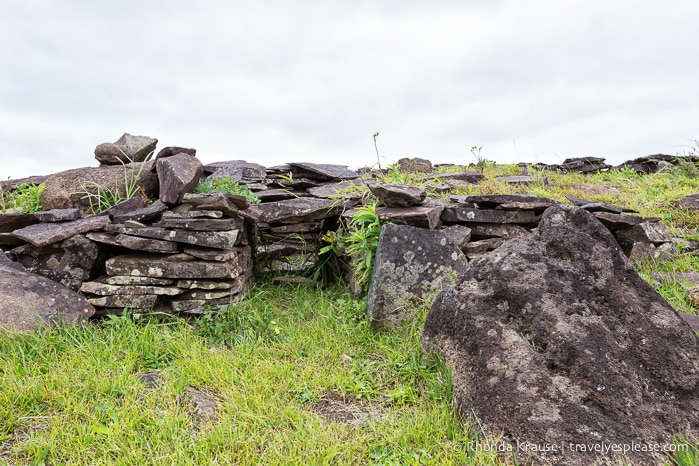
[(277, 81)]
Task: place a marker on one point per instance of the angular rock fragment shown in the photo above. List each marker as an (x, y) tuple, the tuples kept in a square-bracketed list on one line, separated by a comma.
[(178, 175), (229, 204), (326, 172), (144, 214), (468, 177), (58, 215), (142, 301), (423, 217), (414, 165), (617, 221), (200, 224), (646, 232), (126, 149), (297, 210), (395, 195), (410, 264), (213, 239), (12, 222), (145, 244), (46, 233)]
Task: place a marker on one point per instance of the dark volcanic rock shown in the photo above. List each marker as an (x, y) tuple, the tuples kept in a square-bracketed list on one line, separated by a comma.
[(398, 195), (178, 175), (12, 222), (410, 264), (327, 172), (127, 149), (28, 301), (69, 262), (554, 339), (461, 214)]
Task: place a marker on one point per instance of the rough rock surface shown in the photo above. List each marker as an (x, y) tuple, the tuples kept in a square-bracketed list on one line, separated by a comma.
[(177, 174), (126, 149), (411, 263), (68, 262), (69, 188), (28, 301), (554, 339), (397, 195), (415, 165)]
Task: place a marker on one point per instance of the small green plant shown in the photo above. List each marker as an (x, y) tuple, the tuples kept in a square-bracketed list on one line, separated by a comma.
[(102, 198), (226, 185), (481, 162), (378, 158), (24, 197)]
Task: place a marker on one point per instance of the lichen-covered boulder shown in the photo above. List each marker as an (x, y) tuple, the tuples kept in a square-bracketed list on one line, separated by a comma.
[(555, 341)]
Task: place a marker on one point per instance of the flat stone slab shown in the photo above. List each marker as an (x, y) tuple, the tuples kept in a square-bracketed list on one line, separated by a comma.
[(229, 204), (131, 301), (688, 202), (213, 239), (142, 215), (104, 289), (492, 201), (469, 215), (101, 237), (496, 230), (297, 210), (145, 244), (206, 284), (422, 217), (15, 221), (592, 206), (161, 267), (47, 233), (199, 306), (200, 224), (647, 232), (516, 179), (469, 177), (127, 280), (331, 189), (58, 215), (617, 221), (272, 195), (177, 175), (210, 254), (326, 171), (248, 171)]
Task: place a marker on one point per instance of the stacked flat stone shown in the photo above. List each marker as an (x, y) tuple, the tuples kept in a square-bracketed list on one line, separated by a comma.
[(192, 257)]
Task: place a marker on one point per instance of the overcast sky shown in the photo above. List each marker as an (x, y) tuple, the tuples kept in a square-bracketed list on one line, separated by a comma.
[(311, 81)]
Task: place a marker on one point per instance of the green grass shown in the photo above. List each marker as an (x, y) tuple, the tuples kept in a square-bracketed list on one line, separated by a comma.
[(24, 197), (70, 395)]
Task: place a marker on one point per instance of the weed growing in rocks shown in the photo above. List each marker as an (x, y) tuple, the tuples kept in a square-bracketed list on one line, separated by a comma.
[(226, 185), (22, 198)]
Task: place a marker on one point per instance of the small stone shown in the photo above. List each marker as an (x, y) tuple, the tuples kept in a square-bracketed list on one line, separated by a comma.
[(469, 215), (145, 244), (58, 215), (414, 165), (130, 301), (326, 172), (126, 149), (395, 195), (142, 215), (422, 217), (104, 289), (495, 230), (178, 175)]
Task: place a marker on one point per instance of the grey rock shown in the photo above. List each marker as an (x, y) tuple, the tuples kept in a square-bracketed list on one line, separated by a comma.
[(297, 210), (229, 204), (516, 179), (28, 302), (4, 260), (126, 149), (492, 201), (396, 195), (468, 177), (70, 188), (496, 230), (410, 265), (326, 172), (46, 233), (139, 301), (127, 280), (617, 221), (160, 267), (272, 195), (104, 289), (178, 175), (231, 173), (58, 215), (144, 214), (331, 189), (476, 249), (688, 202), (647, 232), (554, 338), (69, 262), (469, 215), (213, 239), (145, 244), (250, 172), (458, 235), (200, 224), (414, 165), (15, 221), (423, 217), (592, 206), (127, 205)]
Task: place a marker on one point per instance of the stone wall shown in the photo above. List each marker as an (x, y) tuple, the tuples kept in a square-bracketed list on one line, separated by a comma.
[(186, 252)]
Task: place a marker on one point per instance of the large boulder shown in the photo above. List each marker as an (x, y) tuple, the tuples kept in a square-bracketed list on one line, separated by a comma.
[(555, 341), (411, 265), (79, 187), (28, 301)]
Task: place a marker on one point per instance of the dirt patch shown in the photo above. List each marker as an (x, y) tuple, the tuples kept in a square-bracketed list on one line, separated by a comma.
[(346, 410)]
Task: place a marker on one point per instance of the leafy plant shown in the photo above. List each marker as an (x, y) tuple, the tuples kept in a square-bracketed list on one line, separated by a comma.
[(226, 185), (481, 162), (24, 197), (359, 241), (102, 198)]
